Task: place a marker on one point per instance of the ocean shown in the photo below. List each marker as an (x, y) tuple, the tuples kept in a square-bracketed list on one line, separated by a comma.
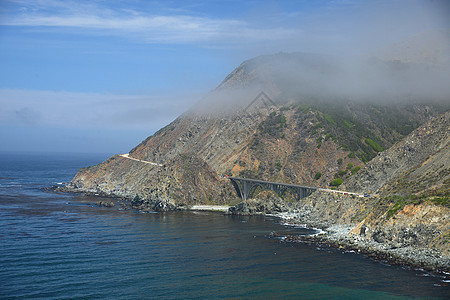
[(63, 246)]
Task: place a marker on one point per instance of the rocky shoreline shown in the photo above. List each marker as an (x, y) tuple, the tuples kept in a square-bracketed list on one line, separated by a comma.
[(337, 236), (342, 236)]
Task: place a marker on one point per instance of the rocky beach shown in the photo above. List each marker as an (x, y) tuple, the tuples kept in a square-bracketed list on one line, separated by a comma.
[(346, 237)]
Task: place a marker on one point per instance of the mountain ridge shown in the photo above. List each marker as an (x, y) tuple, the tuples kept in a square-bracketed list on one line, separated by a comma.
[(293, 139), (278, 118)]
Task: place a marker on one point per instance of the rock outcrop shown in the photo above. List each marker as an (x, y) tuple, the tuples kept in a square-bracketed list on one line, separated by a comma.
[(266, 203), (300, 135), (411, 213), (299, 132), (420, 163)]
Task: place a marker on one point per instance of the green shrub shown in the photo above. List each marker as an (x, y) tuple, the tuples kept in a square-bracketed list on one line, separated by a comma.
[(345, 147), (375, 146), (400, 202), (341, 173), (329, 119), (339, 161), (319, 142), (362, 157), (278, 166), (349, 124), (317, 176), (336, 182), (355, 169), (445, 201), (397, 206)]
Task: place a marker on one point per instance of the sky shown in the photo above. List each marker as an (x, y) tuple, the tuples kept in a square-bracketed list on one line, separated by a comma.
[(101, 76)]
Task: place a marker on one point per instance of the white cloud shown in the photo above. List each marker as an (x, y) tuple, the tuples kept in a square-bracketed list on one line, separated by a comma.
[(84, 110), (166, 26), (339, 26), (150, 28)]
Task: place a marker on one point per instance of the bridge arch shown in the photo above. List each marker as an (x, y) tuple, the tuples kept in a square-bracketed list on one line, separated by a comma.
[(246, 188), (254, 189), (286, 191)]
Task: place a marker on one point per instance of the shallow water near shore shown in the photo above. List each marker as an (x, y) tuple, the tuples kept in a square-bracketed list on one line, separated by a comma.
[(64, 246)]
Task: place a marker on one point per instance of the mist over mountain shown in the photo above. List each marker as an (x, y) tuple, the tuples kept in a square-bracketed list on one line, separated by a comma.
[(413, 70), (284, 117), (430, 48), (307, 119)]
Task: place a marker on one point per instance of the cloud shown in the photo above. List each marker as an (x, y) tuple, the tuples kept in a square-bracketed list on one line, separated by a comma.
[(339, 26), (89, 110), (161, 29), (144, 27)]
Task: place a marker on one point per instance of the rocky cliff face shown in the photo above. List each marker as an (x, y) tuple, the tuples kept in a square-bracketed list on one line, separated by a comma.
[(413, 179), (289, 136), (407, 222), (411, 209), (310, 120), (419, 164)]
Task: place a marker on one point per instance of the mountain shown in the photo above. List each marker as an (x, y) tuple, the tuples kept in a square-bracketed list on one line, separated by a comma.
[(377, 125), (417, 165), (296, 118), (431, 48), (413, 179), (410, 207)]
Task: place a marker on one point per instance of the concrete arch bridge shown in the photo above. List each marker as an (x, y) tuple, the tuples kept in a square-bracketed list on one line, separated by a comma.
[(246, 188)]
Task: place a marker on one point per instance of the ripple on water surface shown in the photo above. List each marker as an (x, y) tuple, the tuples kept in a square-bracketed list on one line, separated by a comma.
[(64, 246), (89, 251)]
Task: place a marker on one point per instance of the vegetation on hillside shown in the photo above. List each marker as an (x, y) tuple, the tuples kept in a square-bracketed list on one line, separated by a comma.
[(278, 147), (399, 202)]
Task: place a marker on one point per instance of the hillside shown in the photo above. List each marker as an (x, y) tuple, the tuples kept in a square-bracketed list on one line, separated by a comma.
[(414, 207), (289, 136), (411, 207), (406, 222)]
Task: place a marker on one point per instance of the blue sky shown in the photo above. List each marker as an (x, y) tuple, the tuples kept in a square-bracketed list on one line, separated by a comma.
[(101, 76)]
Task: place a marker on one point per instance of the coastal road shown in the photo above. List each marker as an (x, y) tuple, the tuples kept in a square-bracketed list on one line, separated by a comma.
[(341, 192), (139, 160), (320, 189)]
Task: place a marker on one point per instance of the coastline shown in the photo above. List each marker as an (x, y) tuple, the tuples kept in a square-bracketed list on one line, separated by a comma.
[(340, 237)]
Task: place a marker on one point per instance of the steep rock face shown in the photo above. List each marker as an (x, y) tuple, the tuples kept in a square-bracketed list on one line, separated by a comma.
[(192, 151), (290, 136), (184, 180), (412, 209), (424, 225), (214, 139), (419, 163)]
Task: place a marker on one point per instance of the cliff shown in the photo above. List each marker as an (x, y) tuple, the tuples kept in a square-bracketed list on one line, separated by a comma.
[(363, 126), (309, 134), (408, 219), (413, 181)]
